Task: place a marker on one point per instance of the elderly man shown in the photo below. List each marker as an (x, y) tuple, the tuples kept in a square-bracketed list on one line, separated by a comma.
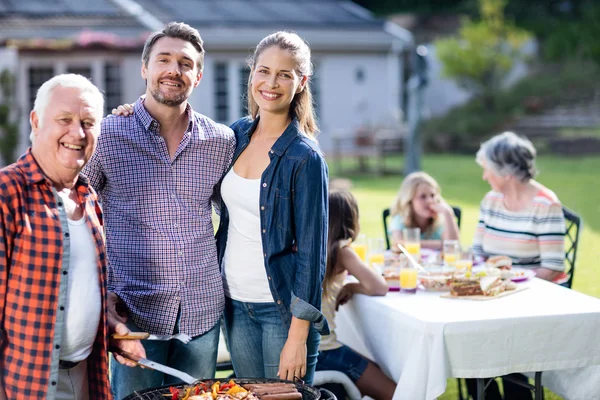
[(156, 174), (53, 329)]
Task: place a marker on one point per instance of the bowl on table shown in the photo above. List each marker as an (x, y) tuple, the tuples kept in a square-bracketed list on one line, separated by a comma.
[(436, 279)]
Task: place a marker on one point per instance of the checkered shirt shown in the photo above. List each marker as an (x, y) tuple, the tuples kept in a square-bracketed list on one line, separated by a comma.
[(33, 283), (158, 218)]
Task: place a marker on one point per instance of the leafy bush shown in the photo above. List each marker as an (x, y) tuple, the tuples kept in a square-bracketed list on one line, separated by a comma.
[(463, 127)]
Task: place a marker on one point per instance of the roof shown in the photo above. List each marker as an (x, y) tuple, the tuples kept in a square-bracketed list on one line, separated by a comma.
[(68, 24), (293, 13), (228, 24)]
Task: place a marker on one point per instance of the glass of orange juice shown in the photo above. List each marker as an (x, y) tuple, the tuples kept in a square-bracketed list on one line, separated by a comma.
[(465, 260), (376, 253), (412, 241), (408, 278), (360, 246), (451, 249)]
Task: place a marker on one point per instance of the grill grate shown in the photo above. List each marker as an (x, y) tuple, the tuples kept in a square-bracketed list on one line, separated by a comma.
[(308, 392)]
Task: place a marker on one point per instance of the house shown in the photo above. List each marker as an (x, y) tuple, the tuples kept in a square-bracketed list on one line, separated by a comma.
[(358, 59)]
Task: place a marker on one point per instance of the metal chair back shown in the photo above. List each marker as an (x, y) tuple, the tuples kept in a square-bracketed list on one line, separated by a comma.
[(573, 228)]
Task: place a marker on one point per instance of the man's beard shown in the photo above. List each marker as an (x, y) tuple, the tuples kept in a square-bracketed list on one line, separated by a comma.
[(171, 102)]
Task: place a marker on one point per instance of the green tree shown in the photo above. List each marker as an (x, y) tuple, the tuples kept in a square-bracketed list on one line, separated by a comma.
[(484, 51), (9, 129)]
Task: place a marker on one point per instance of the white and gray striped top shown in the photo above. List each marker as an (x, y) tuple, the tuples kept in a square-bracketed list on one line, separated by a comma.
[(532, 237)]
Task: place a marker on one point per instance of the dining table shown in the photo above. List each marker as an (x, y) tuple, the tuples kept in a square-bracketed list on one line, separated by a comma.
[(421, 340)]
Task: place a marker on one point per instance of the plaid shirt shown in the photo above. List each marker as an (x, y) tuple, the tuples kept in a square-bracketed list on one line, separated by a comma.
[(34, 264), (158, 218)]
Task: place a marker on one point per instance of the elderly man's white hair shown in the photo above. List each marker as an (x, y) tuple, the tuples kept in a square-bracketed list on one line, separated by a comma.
[(68, 81), (509, 154)]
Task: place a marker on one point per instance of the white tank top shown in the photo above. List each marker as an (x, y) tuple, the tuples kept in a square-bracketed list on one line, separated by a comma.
[(244, 272), (83, 295)]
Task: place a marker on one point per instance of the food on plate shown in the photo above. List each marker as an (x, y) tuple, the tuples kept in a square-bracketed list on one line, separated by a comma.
[(392, 276), (465, 287), (436, 279), (493, 285), (435, 283), (502, 262), (480, 286)]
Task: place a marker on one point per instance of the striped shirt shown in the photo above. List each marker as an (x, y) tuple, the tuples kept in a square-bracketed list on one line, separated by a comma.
[(158, 217), (533, 237), (34, 268)]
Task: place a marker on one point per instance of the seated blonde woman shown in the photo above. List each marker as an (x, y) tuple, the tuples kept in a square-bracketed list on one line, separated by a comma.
[(519, 217), (419, 204)]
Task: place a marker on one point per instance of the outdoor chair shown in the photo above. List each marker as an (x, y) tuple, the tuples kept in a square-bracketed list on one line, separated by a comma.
[(336, 377), (573, 227), (386, 214)]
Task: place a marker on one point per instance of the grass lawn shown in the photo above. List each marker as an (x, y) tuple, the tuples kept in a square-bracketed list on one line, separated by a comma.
[(574, 180)]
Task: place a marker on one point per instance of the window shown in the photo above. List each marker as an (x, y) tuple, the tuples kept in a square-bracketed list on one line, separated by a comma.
[(37, 76), (85, 71), (112, 86), (221, 93), (244, 74)]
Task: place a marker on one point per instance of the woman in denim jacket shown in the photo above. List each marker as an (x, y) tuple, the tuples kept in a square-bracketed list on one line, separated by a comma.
[(272, 237)]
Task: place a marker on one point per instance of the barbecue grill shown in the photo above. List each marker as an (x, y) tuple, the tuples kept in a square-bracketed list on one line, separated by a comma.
[(308, 392)]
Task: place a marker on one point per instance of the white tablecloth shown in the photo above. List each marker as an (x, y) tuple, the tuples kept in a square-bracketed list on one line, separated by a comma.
[(422, 340)]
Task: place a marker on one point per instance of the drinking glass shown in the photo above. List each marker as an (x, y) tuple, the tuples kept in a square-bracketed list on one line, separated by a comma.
[(465, 259), (408, 277), (376, 253), (360, 246), (412, 241), (451, 250)]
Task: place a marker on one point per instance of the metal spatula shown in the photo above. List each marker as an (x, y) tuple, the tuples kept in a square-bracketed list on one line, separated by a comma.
[(144, 362), (182, 337)]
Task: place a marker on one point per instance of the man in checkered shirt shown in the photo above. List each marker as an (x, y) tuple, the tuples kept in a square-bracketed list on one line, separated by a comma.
[(53, 321), (157, 172)]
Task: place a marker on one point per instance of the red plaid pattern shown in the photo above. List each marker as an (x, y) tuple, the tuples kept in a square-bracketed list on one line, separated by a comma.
[(31, 240)]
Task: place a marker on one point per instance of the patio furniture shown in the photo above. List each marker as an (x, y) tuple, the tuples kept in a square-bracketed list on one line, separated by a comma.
[(386, 214), (574, 224), (422, 340)]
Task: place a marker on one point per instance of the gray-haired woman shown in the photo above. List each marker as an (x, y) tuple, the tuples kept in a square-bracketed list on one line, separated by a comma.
[(520, 217)]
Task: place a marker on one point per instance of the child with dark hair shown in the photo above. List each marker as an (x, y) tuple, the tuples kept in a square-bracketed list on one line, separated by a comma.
[(341, 259)]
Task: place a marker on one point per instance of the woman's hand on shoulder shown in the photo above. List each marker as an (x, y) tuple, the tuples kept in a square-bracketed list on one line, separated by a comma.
[(123, 110)]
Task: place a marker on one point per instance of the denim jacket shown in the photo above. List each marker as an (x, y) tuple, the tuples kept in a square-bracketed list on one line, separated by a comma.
[(293, 221)]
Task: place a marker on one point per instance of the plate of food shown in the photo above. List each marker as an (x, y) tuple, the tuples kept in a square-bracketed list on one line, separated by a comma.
[(521, 274), (392, 278), (484, 288)]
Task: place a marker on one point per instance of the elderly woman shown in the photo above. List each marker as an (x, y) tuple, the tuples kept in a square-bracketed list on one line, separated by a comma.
[(519, 217)]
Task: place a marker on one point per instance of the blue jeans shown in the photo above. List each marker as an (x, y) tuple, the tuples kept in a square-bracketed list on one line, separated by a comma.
[(343, 359), (256, 335), (198, 358)]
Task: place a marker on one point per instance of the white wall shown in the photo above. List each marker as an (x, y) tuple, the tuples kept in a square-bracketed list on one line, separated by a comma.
[(132, 84), (346, 103)]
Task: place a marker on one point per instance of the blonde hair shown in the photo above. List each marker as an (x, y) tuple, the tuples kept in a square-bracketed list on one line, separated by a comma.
[(302, 105), (403, 203)]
